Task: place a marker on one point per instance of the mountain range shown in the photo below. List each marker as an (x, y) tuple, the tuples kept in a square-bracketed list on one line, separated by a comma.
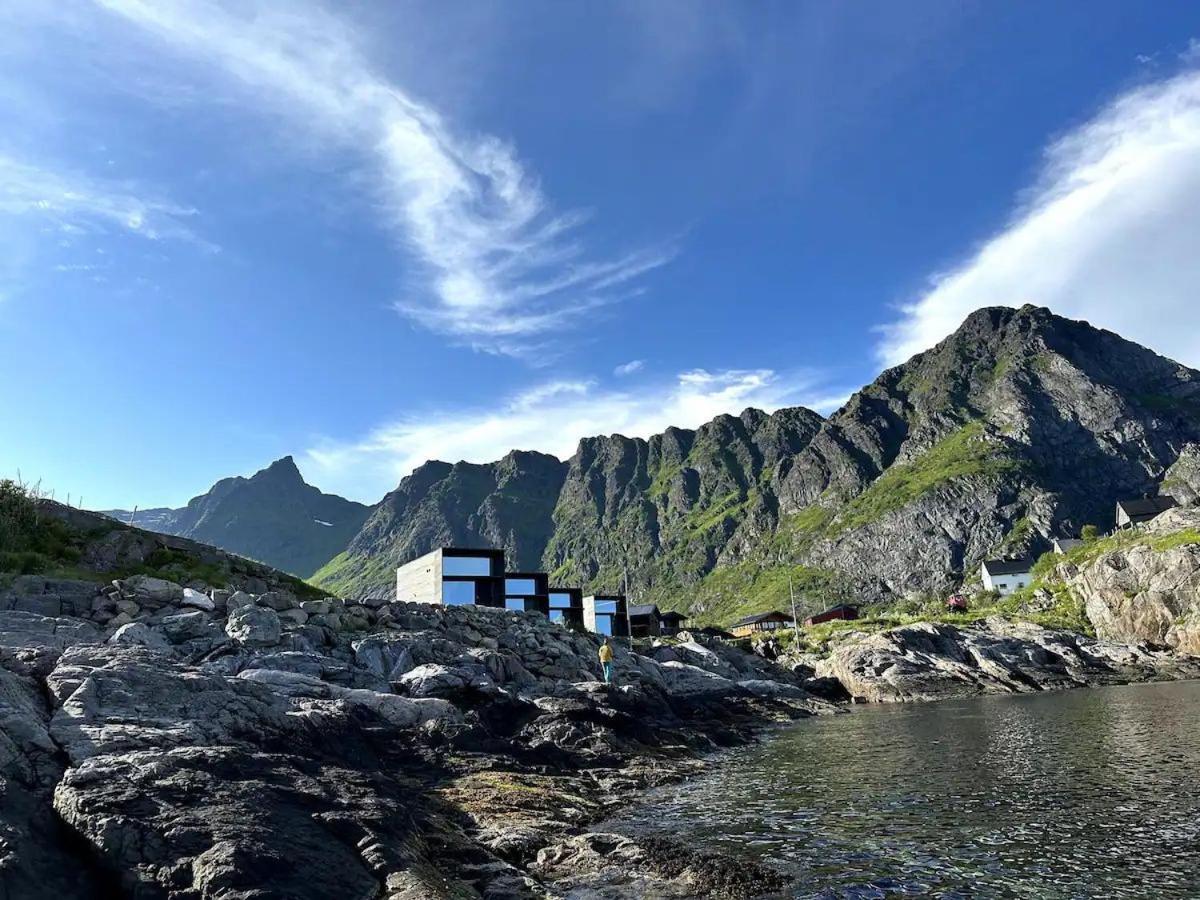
[(273, 517), (1019, 427)]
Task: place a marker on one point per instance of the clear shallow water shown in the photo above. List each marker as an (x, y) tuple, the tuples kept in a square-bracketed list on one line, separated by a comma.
[(1088, 793)]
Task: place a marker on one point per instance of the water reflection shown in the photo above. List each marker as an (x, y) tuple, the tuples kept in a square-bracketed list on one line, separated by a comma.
[(1078, 794)]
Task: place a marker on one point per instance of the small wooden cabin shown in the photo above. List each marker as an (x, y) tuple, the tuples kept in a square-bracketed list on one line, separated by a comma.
[(841, 612), (768, 621), (671, 622)]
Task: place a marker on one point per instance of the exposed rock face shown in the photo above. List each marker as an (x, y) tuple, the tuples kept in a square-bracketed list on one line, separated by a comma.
[(502, 504), (272, 516), (1182, 480), (665, 511), (933, 662), (178, 751), (1147, 590)]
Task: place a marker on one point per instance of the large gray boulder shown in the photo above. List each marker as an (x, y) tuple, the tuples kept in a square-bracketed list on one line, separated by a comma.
[(254, 626), (146, 590), (139, 634)]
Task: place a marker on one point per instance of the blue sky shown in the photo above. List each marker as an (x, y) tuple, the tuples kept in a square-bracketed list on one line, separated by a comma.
[(368, 235)]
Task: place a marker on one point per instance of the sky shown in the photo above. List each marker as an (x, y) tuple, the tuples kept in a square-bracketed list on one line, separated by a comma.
[(368, 235)]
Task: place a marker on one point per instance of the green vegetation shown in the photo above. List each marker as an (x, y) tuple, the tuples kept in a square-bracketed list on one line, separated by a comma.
[(1015, 539), (730, 592), (346, 571), (31, 543), (964, 453), (732, 505), (661, 483)]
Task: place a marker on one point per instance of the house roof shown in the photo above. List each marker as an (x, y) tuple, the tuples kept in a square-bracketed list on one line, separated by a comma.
[(643, 609), (1067, 543), (671, 614), (1147, 506), (760, 617), (1007, 566), (839, 608)]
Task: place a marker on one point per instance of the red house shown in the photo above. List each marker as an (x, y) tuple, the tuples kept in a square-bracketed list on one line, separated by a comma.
[(842, 612)]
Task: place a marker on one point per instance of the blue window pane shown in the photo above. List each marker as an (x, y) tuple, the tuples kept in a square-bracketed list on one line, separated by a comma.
[(606, 606), (519, 586), (561, 601), (515, 604), (557, 615), (466, 565), (458, 593), (604, 625)]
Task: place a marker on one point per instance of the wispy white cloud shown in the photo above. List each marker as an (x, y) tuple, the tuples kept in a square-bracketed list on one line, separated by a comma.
[(74, 202), (634, 365), (552, 417), (498, 262), (1109, 233)]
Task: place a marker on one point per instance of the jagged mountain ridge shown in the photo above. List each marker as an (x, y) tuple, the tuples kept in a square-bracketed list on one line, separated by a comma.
[(273, 516), (1019, 426)]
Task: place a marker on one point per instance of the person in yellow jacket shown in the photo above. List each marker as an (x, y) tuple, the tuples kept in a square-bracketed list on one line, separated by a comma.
[(606, 658)]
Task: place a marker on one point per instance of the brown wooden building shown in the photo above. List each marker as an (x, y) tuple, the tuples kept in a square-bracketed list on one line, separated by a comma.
[(841, 612), (767, 621)]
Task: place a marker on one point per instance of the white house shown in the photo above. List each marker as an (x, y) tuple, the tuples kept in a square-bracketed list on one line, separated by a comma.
[(1066, 545), (1006, 575)]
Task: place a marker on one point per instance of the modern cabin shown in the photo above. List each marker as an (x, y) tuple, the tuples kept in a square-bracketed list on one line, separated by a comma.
[(768, 621), (671, 622), (644, 620), (606, 614), (1138, 512), (566, 607), (841, 612), (1006, 575), (527, 592), (453, 576)]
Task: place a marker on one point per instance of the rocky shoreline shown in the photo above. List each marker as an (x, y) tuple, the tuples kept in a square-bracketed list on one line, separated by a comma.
[(163, 742)]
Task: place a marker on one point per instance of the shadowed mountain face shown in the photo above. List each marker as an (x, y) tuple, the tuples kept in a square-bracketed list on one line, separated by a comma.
[(1018, 427), (273, 517)]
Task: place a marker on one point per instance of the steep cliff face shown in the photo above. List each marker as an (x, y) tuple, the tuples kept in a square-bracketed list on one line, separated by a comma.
[(1019, 426), (502, 504), (273, 516), (662, 513)]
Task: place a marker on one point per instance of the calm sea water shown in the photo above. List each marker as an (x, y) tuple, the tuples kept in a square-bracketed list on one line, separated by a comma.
[(1089, 793)]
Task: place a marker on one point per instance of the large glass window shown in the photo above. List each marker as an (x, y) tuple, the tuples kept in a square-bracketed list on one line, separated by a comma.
[(606, 606), (519, 586), (466, 565), (560, 601), (604, 625), (557, 615), (458, 593)]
